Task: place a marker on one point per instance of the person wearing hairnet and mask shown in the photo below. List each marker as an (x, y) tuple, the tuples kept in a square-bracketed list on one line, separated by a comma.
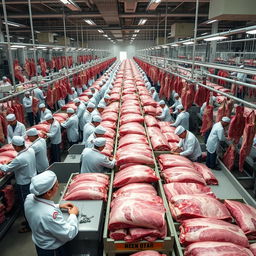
[(71, 125), (55, 136), (98, 132), (93, 160), (182, 118), (165, 115), (50, 230), (105, 100), (24, 168), (40, 148), (14, 128), (5, 81), (217, 135), (89, 129), (43, 111), (188, 146)]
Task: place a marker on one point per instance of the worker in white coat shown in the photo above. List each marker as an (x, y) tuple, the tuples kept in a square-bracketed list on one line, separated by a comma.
[(154, 94), (55, 136), (71, 124), (43, 112), (73, 95), (5, 81), (50, 230), (216, 136), (212, 101), (38, 93), (105, 100), (241, 77), (87, 117), (40, 148), (24, 168), (93, 160), (182, 118), (14, 128), (27, 103), (89, 128), (165, 115), (177, 102), (189, 145), (80, 112), (98, 133)]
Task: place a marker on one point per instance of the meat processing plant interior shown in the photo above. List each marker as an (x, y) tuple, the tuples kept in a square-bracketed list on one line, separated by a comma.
[(128, 127)]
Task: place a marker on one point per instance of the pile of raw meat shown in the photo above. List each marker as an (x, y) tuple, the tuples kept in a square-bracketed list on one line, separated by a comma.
[(88, 186), (137, 212), (7, 202)]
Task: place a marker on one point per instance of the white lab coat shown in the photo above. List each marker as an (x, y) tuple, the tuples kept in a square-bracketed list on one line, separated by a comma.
[(203, 108), (71, 124), (165, 116), (216, 135), (61, 103), (183, 120), (27, 103), (80, 113), (49, 228), (79, 91), (93, 100), (95, 112), (23, 166), (90, 141), (94, 161), (72, 96), (175, 105), (40, 149), (39, 95), (55, 133), (102, 101), (191, 147), (20, 130), (89, 129), (155, 96), (43, 114), (87, 118)]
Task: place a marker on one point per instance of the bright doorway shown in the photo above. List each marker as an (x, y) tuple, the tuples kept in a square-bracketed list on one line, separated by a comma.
[(123, 56)]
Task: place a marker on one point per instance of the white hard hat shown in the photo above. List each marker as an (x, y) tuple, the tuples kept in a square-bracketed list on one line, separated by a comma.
[(42, 182), (18, 141), (11, 117), (100, 142), (179, 130), (32, 132), (100, 130)]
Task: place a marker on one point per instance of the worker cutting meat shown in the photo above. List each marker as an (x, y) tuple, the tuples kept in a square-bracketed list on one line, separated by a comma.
[(188, 146), (165, 115), (216, 136), (98, 133), (93, 160), (71, 125), (55, 136), (177, 102), (24, 168), (182, 118), (50, 231), (40, 148), (14, 128), (43, 112)]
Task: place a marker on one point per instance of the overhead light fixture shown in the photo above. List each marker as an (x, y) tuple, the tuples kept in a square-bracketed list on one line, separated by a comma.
[(211, 21), (41, 47), (9, 36), (251, 32), (188, 43), (90, 22), (71, 5), (175, 45), (142, 21), (100, 31), (72, 39), (105, 35), (136, 30), (215, 38), (38, 32), (18, 46), (204, 34), (134, 35), (13, 24), (165, 46), (21, 38)]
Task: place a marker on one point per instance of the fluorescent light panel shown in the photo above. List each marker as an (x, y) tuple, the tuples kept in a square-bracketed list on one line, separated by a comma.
[(71, 5), (90, 22), (204, 34), (142, 21), (136, 30), (14, 24), (188, 43), (215, 38), (18, 46), (211, 21), (251, 32), (175, 45), (100, 31)]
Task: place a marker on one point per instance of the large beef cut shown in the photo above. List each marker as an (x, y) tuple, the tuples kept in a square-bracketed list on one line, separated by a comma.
[(206, 229), (169, 161), (98, 177), (133, 174), (2, 213), (207, 119), (151, 121), (216, 249), (253, 248), (237, 125), (158, 140), (182, 174), (221, 111), (9, 197), (245, 216), (131, 118), (195, 206), (131, 128), (206, 173), (179, 188), (147, 253), (118, 234), (132, 139), (248, 137), (87, 193), (229, 157)]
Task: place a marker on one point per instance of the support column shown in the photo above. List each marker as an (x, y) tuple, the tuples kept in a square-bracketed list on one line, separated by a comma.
[(1, 30), (213, 44)]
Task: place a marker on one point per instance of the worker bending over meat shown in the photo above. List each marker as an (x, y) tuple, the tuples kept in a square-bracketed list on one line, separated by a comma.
[(217, 135), (55, 136), (188, 146), (154, 94), (182, 118), (177, 102), (87, 117), (73, 95), (71, 125), (165, 115), (14, 128), (98, 133), (93, 160), (24, 168), (89, 128), (50, 230), (43, 112), (40, 148)]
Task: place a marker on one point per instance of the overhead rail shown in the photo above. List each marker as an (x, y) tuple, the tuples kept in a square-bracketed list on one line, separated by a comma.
[(246, 103)]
